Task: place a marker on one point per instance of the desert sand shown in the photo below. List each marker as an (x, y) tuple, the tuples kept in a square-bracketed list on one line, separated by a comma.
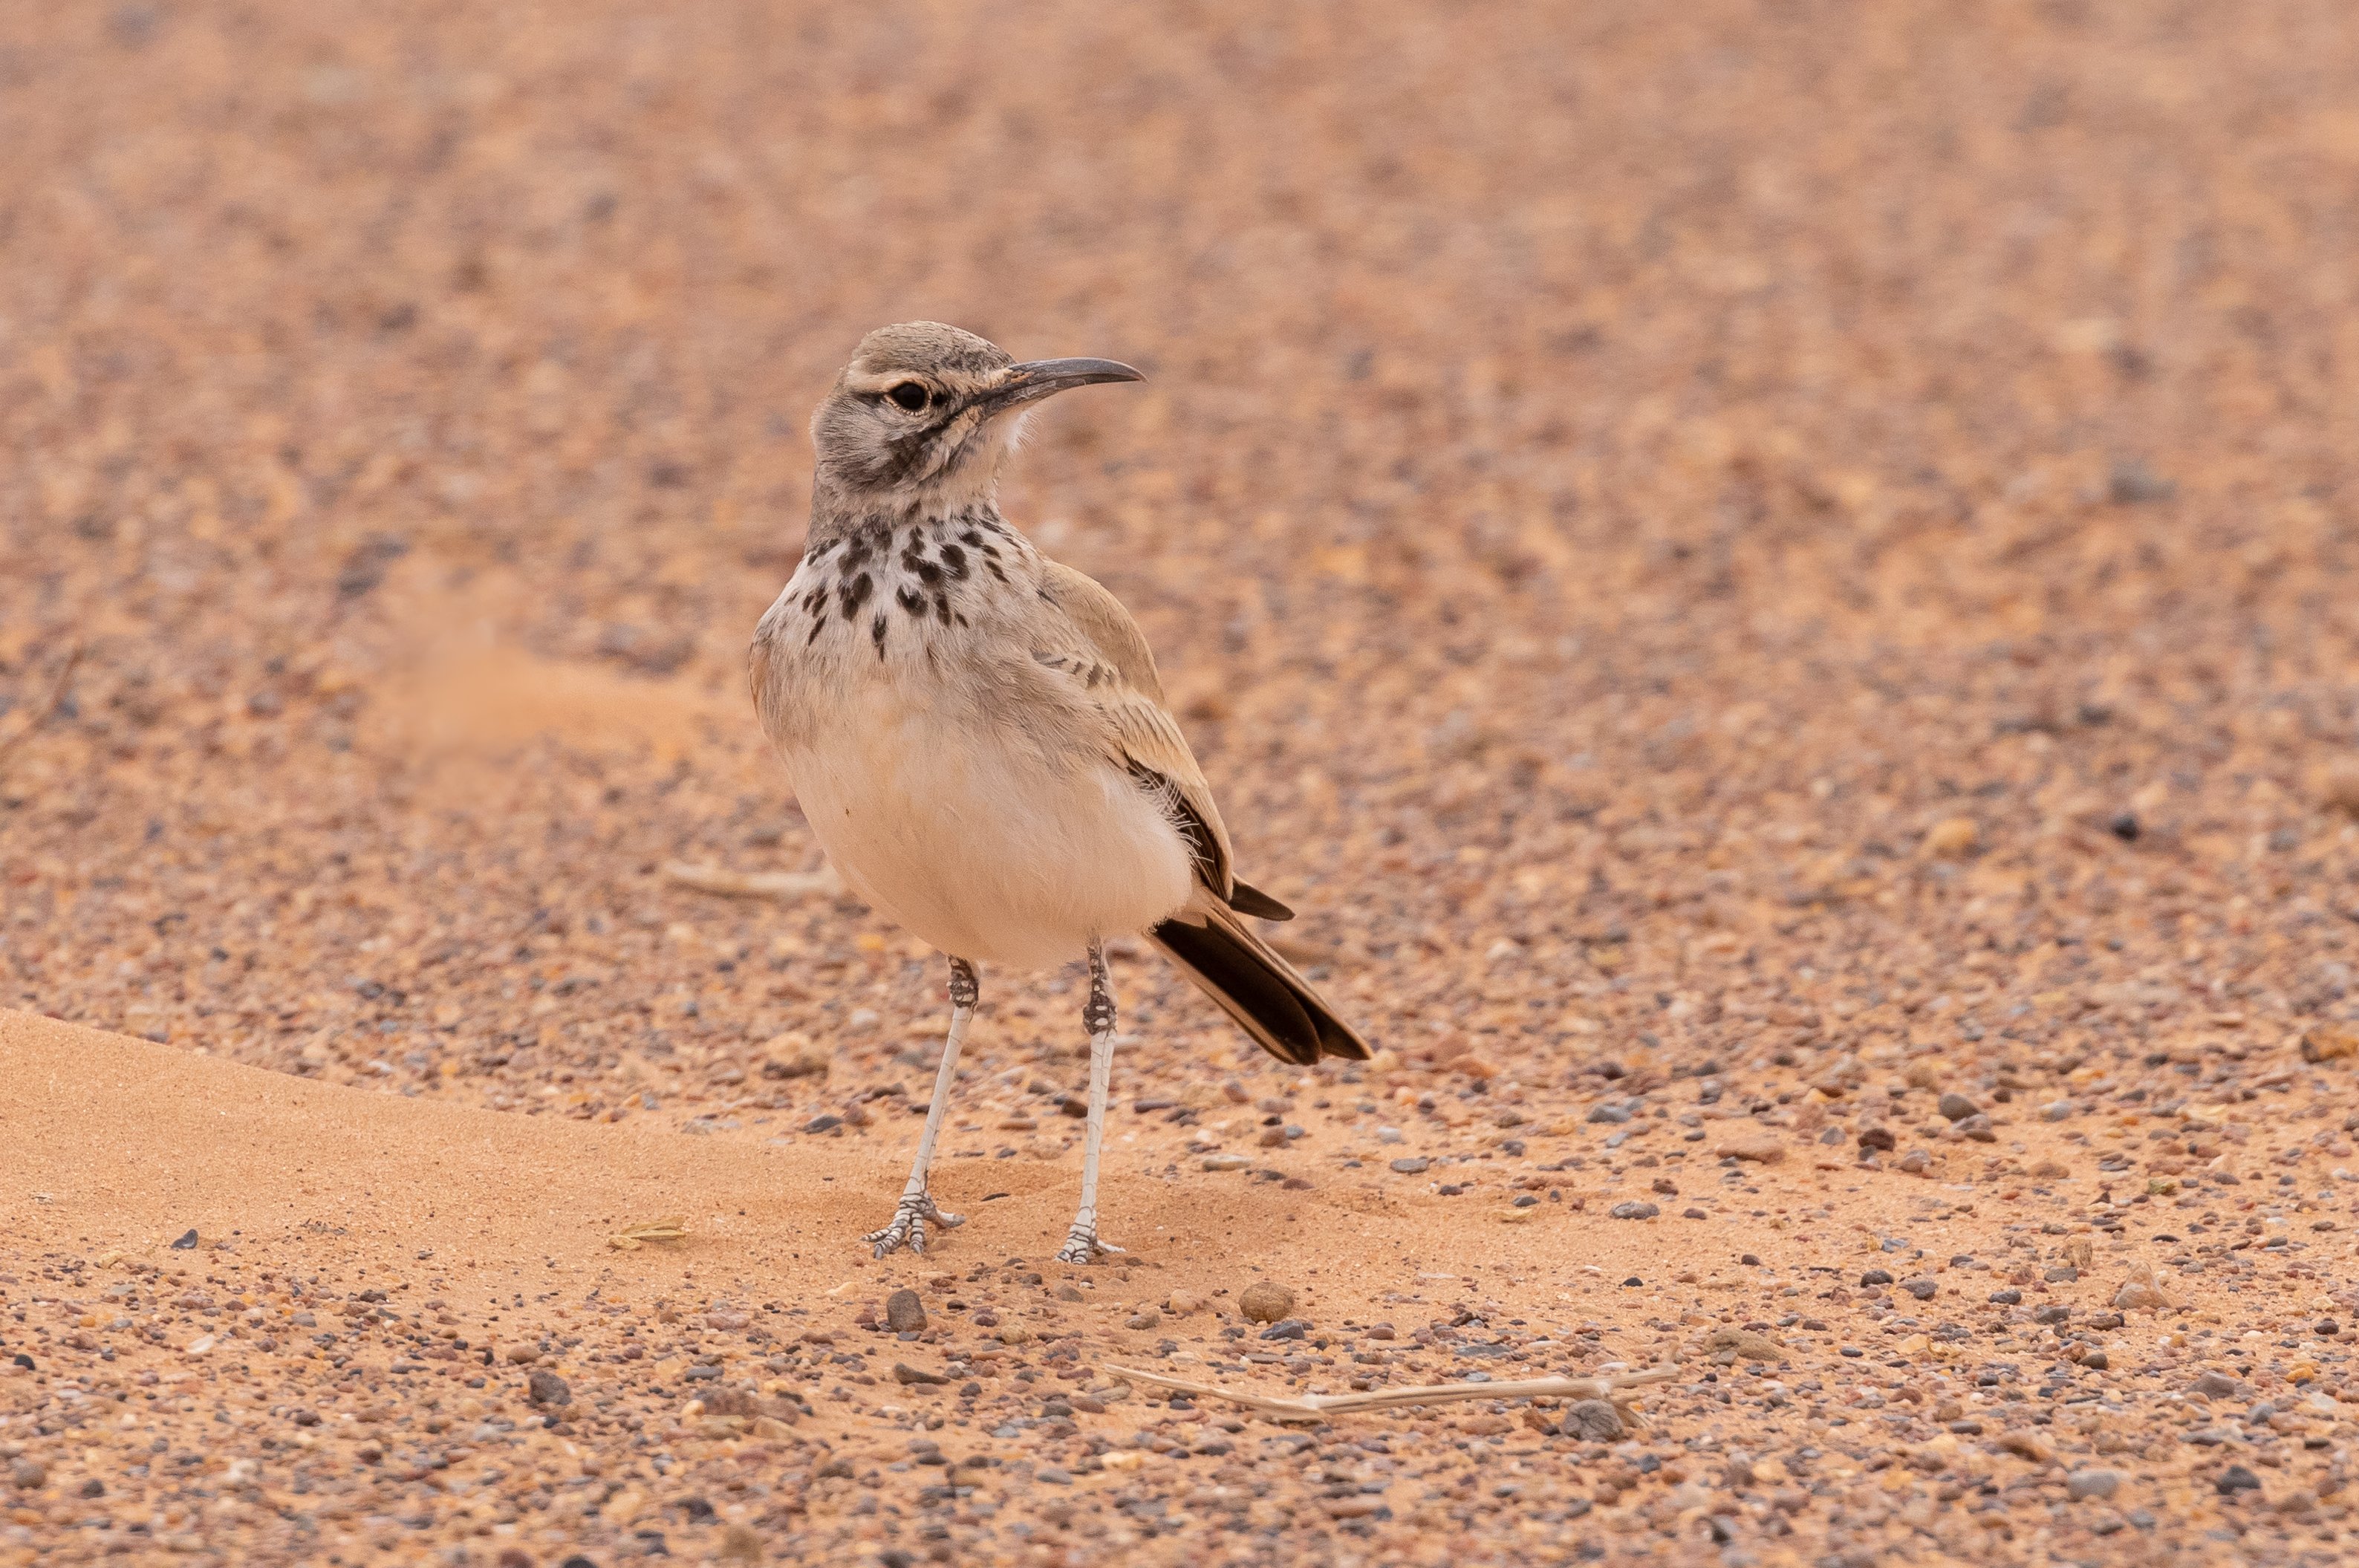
[(1778, 584)]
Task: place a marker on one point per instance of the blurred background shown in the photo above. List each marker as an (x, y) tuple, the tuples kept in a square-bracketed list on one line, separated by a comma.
[(1676, 530)]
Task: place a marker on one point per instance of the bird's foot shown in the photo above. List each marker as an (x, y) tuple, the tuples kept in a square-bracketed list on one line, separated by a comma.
[(1083, 1245), (908, 1226)]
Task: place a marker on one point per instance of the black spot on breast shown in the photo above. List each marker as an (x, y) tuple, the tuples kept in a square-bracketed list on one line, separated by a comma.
[(911, 600), (855, 594), (942, 607), (972, 536), (816, 600), (994, 565), (928, 573), (876, 635), (954, 562)]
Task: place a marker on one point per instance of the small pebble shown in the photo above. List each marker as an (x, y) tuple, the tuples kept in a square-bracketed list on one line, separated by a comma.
[(1412, 1165), (1634, 1210), (1593, 1421), (1266, 1302), (546, 1388), (2083, 1484)]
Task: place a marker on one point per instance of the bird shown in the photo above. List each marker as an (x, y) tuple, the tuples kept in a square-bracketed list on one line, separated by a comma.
[(978, 737)]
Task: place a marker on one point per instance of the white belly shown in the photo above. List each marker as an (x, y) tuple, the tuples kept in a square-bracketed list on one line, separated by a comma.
[(976, 844)]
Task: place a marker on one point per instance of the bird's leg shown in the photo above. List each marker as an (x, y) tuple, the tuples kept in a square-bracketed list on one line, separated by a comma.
[(1082, 1242), (910, 1217)]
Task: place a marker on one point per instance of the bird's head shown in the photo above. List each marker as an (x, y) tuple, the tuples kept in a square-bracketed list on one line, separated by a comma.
[(924, 413)]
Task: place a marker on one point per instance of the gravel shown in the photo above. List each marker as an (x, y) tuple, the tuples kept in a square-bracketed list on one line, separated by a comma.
[(1835, 645)]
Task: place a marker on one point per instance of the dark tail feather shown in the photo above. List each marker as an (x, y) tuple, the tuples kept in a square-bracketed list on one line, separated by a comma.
[(1256, 987)]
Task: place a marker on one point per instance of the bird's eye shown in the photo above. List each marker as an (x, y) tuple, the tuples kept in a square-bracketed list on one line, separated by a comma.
[(912, 395)]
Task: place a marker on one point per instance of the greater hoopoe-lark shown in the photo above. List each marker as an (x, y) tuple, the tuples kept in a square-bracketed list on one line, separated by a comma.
[(978, 735)]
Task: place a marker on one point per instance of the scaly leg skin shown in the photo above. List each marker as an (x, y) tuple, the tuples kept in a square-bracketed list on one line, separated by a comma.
[(1082, 1242), (910, 1217)]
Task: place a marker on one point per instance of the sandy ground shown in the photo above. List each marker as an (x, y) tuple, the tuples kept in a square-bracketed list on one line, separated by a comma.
[(1779, 582)]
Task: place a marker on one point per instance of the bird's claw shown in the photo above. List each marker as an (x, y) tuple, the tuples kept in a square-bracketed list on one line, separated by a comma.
[(908, 1226), (1083, 1245)]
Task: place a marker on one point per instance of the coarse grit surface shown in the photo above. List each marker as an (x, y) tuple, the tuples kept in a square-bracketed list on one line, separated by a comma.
[(1779, 582)]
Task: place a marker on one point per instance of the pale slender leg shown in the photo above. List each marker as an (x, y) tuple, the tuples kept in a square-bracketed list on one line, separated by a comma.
[(1082, 1242), (910, 1217)]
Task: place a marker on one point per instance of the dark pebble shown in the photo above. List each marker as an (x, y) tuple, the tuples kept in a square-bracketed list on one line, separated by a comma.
[(822, 1124), (1291, 1328), (1413, 1165), (1923, 1290), (1634, 1210), (1877, 1138), (904, 1313), (1956, 1107), (2235, 1479), (187, 1240), (2007, 1298), (547, 1388), (1876, 1277)]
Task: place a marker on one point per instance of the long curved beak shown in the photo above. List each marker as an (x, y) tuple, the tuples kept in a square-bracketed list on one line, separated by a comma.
[(1037, 378)]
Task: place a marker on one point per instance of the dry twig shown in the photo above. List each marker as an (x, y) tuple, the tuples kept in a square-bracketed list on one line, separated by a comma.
[(42, 715), (672, 1229), (753, 884), (1319, 1407)]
